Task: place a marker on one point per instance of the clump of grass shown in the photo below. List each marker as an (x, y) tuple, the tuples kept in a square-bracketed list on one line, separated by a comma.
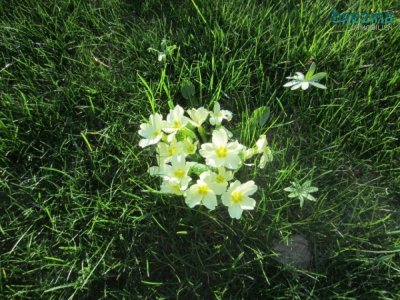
[(79, 218)]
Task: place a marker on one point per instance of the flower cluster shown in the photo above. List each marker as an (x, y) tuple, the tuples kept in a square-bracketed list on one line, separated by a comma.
[(186, 150)]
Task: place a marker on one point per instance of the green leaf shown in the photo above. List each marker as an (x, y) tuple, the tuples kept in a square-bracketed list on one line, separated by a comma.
[(198, 168), (312, 189), (185, 133), (170, 50), (260, 116), (188, 90), (310, 197), (318, 85), (301, 201), (318, 76), (311, 71), (301, 191)]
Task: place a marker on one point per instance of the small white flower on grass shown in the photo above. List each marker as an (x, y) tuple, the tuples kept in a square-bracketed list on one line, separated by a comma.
[(237, 199), (217, 115), (178, 170), (202, 193), (172, 186), (198, 116), (262, 148), (151, 131), (175, 120), (299, 80), (219, 181), (220, 153)]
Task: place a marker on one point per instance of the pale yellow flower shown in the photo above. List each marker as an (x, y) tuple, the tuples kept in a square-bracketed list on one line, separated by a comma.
[(219, 181), (201, 193), (220, 153), (217, 115), (175, 120), (237, 199), (178, 170), (197, 116), (151, 131)]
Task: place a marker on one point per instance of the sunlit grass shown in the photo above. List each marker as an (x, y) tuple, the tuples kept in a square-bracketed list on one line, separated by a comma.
[(80, 216)]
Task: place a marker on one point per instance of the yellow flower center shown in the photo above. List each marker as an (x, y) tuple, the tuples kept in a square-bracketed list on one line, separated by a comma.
[(156, 132), (190, 148), (221, 151), (179, 173), (220, 179), (171, 150), (237, 197), (203, 189), (177, 124)]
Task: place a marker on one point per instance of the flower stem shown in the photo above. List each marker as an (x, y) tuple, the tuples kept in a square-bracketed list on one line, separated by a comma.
[(202, 133)]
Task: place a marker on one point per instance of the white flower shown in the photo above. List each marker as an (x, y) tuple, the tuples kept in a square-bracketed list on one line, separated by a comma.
[(220, 153), (217, 115), (262, 147), (198, 116), (167, 150), (152, 131), (175, 120), (219, 182), (237, 199), (201, 193), (299, 80), (178, 170), (172, 186)]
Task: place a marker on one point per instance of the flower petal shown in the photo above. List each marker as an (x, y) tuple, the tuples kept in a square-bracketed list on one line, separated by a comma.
[(296, 86), (305, 85), (227, 114), (300, 76), (248, 188), (225, 199), (248, 203), (210, 201), (191, 198), (219, 137), (235, 211), (233, 161), (290, 83)]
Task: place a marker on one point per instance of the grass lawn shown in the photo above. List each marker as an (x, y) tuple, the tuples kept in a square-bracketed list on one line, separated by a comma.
[(80, 217)]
